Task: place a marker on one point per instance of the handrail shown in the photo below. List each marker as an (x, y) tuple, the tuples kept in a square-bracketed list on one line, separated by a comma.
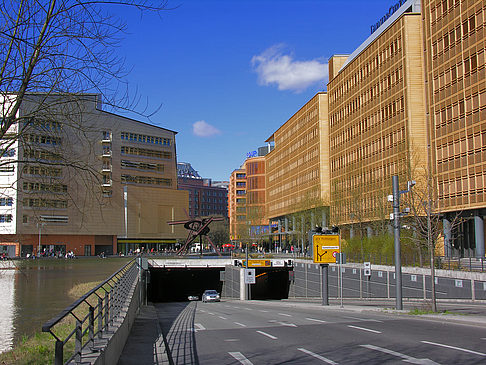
[(117, 289)]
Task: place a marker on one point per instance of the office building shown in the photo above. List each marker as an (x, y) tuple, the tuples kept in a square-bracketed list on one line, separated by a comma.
[(81, 179), (205, 199)]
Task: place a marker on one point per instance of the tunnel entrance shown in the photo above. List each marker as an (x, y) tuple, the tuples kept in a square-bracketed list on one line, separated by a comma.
[(271, 283), (176, 284)]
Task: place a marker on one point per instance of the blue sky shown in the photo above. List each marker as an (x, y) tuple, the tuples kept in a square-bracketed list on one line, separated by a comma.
[(228, 73)]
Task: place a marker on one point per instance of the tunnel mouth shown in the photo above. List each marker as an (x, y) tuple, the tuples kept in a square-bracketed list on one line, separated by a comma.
[(271, 283), (182, 284), (177, 284)]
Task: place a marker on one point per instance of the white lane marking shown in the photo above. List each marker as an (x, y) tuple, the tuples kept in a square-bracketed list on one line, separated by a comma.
[(284, 314), (405, 358), (222, 317), (364, 329), (241, 358), (199, 327), (483, 338), (454, 348), (267, 334), (240, 324), (212, 314), (322, 358), (248, 309), (316, 320), (363, 319), (287, 324), (263, 311), (231, 340)]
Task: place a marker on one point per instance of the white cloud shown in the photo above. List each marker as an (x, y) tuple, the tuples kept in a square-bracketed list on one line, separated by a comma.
[(203, 129), (275, 67)]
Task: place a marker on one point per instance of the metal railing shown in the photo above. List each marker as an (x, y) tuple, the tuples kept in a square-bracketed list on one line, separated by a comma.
[(93, 314)]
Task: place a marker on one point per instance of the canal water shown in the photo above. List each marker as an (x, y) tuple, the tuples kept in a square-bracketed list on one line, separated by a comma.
[(37, 290)]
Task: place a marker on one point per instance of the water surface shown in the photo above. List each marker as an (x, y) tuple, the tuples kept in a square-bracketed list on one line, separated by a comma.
[(38, 290)]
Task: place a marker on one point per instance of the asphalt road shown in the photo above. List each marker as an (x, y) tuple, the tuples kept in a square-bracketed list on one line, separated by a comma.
[(235, 332)]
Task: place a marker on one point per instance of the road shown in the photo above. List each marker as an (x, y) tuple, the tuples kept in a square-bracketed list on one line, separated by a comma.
[(235, 332)]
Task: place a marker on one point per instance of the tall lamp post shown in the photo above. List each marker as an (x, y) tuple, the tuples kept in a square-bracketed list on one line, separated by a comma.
[(40, 225)]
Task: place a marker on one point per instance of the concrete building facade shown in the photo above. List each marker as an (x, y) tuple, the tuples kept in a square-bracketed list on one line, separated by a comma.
[(77, 178)]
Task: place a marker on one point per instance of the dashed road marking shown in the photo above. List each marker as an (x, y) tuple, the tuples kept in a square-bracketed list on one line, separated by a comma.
[(364, 329), (405, 358), (454, 348), (285, 314), (241, 358), (316, 320), (240, 324), (267, 334), (222, 317), (363, 319), (317, 356)]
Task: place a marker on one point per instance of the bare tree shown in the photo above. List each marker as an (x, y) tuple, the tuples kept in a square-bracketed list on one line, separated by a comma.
[(54, 55)]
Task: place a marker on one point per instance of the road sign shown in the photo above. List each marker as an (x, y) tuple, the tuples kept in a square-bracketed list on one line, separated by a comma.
[(250, 276), (257, 263), (367, 269), (325, 248)]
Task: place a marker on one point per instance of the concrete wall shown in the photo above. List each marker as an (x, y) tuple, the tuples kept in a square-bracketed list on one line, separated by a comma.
[(416, 282)]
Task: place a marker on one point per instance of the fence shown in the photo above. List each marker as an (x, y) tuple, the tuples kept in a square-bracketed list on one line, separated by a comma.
[(91, 317), (440, 262)]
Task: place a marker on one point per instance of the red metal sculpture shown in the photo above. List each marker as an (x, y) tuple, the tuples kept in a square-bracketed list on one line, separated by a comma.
[(196, 227)]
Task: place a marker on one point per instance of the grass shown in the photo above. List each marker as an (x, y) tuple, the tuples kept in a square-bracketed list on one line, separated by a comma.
[(39, 348)]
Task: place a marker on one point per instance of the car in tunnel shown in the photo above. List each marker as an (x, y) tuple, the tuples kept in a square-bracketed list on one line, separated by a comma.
[(210, 296)]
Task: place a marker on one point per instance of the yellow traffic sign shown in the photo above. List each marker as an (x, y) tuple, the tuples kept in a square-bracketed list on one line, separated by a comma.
[(325, 248)]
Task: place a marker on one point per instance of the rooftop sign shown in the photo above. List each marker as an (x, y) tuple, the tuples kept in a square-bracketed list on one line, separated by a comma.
[(384, 18)]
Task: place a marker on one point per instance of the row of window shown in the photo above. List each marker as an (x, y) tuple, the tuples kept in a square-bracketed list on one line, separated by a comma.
[(367, 123), (42, 124), (125, 150), (310, 155), (452, 112), (305, 139), (45, 203), (42, 139), (142, 165), (135, 137), (301, 119), (367, 69), (42, 170), (42, 155), (299, 180), (453, 38), (366, 97), (44, 188), (147, 180)]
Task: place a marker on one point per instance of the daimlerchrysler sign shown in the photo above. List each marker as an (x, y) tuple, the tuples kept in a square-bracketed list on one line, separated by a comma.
[(384, 18)]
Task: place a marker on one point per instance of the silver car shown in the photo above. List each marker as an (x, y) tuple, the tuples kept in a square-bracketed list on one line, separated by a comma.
[(210, 296)]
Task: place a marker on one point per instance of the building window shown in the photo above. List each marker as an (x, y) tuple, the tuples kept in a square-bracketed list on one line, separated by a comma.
[(106, 136), (6, 202), (5, 218), (9, 153)]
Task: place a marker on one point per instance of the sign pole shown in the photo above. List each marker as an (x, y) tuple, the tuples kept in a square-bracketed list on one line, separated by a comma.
[(325, 285)]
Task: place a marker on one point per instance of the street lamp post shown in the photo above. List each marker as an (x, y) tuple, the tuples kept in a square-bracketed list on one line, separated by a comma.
[(395, 200), (39, 225)]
